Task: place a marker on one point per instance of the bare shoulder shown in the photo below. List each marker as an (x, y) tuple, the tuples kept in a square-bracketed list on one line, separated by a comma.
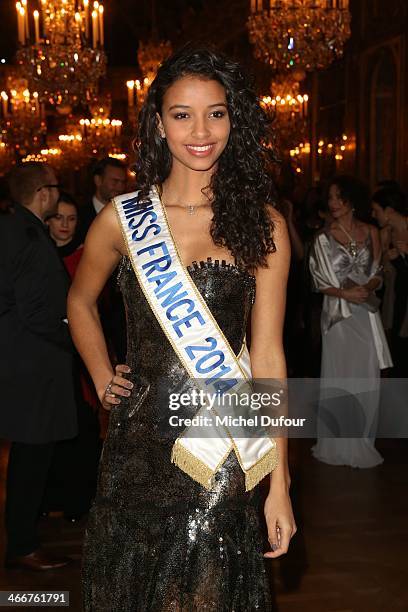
[(106, 228), (277, 261), (374, 231), (107, 217), (274, 215), (369, 228), (375, 235), (279, 231)]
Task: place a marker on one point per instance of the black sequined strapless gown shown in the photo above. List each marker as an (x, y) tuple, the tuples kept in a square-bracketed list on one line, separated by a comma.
[(157, 541)]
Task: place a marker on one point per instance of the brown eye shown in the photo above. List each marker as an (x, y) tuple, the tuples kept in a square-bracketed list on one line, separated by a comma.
[(218, 114)]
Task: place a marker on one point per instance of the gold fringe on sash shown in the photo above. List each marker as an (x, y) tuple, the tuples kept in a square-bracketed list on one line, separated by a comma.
[(201, 473), (262, 468), (191, 465)]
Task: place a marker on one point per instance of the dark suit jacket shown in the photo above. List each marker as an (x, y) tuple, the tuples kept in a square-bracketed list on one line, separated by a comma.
[(37, 402), (87, 214), (111, 308)]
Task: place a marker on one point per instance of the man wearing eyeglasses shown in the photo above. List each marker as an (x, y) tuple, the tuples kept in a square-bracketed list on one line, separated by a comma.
[(37, 392)]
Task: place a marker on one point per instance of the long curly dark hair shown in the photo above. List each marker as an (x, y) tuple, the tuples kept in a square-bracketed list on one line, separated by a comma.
[(241, 187)]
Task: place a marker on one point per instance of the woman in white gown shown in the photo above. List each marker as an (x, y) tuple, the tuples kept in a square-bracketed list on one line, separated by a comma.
[(345, 266)]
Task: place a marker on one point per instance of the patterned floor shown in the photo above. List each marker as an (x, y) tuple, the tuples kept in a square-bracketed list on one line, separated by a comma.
[(349, 555)]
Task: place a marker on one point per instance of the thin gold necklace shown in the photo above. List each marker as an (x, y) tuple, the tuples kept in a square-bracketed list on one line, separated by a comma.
[(352, 245), (190, 208)]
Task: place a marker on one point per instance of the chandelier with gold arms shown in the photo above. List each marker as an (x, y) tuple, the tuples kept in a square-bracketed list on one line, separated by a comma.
[(288, 110), (151, 54), (62, 54), (22, 124), (85, 138), (307, 34)]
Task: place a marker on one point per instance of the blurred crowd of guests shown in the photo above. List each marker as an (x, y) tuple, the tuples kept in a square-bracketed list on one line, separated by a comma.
[(385, 209), (361, 268), (347, 317)]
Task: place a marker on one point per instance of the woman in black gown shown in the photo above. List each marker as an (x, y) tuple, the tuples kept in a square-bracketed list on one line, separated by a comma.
[(157, 540)]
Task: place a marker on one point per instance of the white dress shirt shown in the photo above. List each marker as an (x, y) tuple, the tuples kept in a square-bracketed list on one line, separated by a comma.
[(97, 204)]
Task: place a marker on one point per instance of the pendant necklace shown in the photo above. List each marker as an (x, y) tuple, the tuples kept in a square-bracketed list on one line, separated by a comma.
[(191, 208), (352, 245)]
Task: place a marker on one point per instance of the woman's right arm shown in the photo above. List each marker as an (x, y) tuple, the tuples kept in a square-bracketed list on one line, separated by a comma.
[(320, 276), (356, 295), (102, 252)]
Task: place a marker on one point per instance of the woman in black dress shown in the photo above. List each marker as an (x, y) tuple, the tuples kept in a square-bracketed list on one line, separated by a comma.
[(157, 540)]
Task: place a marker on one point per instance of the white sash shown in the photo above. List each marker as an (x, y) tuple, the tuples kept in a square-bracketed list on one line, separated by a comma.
[(195, 337)]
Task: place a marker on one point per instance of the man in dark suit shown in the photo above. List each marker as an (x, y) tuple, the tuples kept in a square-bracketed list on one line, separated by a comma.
[(110, 178), (38, 405)]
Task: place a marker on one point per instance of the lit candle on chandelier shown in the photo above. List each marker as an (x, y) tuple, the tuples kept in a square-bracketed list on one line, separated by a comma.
[(20, 22), (95, 28), (78, 20), (86, 11), (101, 32), (305, 101), (37, 26), (26, 28), (4, 102), (36, 103), (131, 95)]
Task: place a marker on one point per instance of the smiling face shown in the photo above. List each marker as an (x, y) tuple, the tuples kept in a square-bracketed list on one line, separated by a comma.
[(63, 223), (195, 122), (337, 206)]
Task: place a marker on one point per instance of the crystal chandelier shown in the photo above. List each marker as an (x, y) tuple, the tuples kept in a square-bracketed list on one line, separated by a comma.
[(288, 110), (286, 97), (89, 137), (22, 124), (306, 34), (64, 59), (151, 54)]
